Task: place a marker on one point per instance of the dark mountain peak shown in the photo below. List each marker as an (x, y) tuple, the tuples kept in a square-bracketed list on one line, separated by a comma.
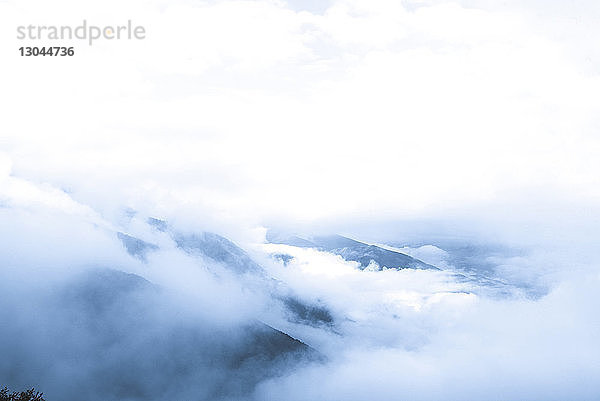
[(159, 224), (135, 246), (353, 250), (219, 249), (276, 237), (211, 245), (329, 242)]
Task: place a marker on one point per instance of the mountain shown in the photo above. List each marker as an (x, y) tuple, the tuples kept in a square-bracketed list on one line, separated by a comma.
[(235, 259), (352, 250), (211, 245), (219, 249), (135, 246), (129, 341)]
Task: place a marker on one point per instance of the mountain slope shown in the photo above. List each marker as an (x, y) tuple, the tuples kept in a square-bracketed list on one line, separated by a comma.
[(128, 341), (352, 250)]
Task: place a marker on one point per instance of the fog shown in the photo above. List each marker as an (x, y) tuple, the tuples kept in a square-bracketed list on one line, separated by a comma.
[(429, 338), (83, 317), (139, 181)]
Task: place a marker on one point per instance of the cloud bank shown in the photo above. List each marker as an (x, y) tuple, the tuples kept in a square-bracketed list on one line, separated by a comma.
[(461, 133)]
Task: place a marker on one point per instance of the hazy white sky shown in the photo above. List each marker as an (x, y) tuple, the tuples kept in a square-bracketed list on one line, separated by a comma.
[(267, 110)]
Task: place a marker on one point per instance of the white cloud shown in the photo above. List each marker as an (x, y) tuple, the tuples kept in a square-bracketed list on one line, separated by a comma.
[(237, 114), (370, 105), (544, 350)]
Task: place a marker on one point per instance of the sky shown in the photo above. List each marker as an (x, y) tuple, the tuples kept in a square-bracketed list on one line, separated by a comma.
[(270, 112)]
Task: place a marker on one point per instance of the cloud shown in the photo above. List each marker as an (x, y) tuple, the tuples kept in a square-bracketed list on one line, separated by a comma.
[(526, 350), (418, 334), (426, 126), (83, 316), (250, 108)]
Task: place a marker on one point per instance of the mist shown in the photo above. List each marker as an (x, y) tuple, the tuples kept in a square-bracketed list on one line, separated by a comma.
[(300, 200), (87, 312)]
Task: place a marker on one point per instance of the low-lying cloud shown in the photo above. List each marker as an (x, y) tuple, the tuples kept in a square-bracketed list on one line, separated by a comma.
[(462, 134)]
